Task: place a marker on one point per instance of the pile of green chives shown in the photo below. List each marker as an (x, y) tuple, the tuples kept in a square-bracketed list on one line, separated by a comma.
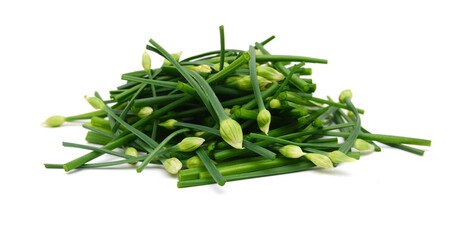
[(224, 115)]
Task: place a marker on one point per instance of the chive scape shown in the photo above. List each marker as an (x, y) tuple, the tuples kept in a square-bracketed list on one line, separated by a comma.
[(213, 171), (207, 118), (222, 47)]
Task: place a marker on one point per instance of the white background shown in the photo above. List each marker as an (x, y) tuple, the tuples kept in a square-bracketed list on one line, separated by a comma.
[(394, 55)]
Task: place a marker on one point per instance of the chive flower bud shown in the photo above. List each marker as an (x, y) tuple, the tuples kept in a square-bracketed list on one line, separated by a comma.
[(350, 114), (228, 111), (132, 152), (216, 66), (201, 68), (146, 62), (145, 111), (320, 160), (317, 123), (55, 121), (263, 120), (198, 134), (169, 124), (172, 165), (176, 57), (362, 145), (194, 162), (243, 82), (340, 157), (269, 73), (291, 151), (344, 95), (190, 144), (275, 103), (231, 132), (95, 102)]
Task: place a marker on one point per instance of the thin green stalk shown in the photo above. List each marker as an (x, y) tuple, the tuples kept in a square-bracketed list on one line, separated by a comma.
[(106, 151), (274, 58), (287, 142), (222, 47), (384, 138), (250, 167), (217, 107), (254, 82), (297, 167), (142, 102), (209, 53), (229, 69), (149, 81), (356, 129), (213, 171), (92, 155)]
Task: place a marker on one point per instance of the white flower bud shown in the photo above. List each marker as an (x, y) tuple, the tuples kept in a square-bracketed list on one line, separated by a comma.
[(362, 145), (55, 121), (176, 57), (231, 132), (194, 162), (344, 95), (190, 144), (146, 62), (291, 151), (145, 111), (172, 165), (168, 124), (95, 102), (269, 73), (263, 120), (320, 160), (340, 157)]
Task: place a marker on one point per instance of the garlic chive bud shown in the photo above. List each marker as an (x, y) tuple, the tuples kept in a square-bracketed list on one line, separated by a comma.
[(263, 120), (291, 151), (176, 57), (54, 121), (344, 95), (168, 124), (317, 123), (340, 157), (275, 103), (201, 68), (146, 62), (243, 82), (258, 52), (320, 160), (231, 132), (95, 102), (194, 162), (132, 152), (269, 73), (228, 111), (190, 144), (362, 145), (172, 165), (145, 111), (350, 114), (198, 134), (216, 66)]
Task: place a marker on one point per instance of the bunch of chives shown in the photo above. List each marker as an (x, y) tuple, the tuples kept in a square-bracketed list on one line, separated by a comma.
[(200, 118)]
